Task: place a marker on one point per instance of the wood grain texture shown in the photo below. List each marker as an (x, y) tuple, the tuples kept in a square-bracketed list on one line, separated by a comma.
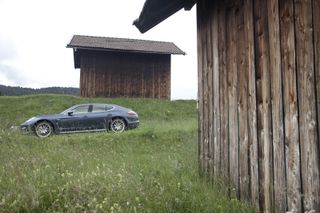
[(216, 94), (316, 36), (233, 100), (290, 101), (201, 130), (205, 93), (252, 111), (106, 74), (242, 104), (307, 105), (263, 104), (209, 89), (223, 85), (277, 107)]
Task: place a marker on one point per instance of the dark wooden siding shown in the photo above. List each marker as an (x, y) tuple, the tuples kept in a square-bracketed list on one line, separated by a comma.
[(116, 74), (259, 100)]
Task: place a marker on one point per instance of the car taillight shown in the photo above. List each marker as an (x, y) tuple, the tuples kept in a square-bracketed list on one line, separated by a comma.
[(132, 113)]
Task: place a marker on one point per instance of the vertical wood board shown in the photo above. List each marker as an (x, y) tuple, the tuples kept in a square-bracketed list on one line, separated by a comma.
[(307, 105), (263, 105)]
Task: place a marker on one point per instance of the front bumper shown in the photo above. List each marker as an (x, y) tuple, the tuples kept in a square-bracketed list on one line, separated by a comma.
[(25, 129), (133, 125)]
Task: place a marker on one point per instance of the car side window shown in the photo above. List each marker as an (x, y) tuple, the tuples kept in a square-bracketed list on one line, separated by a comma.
[(98, 108), (108, 107), (80, 109)]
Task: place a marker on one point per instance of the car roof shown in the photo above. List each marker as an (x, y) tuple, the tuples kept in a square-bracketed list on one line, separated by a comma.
[(114, 105), (93, 104)]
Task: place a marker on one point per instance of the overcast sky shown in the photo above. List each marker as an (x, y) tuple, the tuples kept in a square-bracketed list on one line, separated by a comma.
[(34, 35)]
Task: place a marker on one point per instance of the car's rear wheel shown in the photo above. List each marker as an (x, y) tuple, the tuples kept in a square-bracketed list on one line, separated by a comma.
[(43, 129), (118, 125)]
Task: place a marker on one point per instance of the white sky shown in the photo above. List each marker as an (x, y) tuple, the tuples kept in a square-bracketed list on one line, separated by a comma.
[(34, 35)]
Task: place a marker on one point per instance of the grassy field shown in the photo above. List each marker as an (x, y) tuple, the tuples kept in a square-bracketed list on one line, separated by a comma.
[(149, 169)]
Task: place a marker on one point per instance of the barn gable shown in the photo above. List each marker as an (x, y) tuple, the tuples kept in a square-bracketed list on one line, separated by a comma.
[(117, 67), (259, 98)]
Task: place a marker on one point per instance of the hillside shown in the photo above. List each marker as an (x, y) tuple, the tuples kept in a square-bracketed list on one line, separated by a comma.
[(150, 169), (17, 91)]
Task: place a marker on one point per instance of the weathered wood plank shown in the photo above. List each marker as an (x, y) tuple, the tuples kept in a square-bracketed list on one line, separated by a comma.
[(168, 76), (290, 97), (85, 75), (125, 75), (242, 105), (316, 36), (206, 92), (252, 111), (209, 119), (222, 45), (108, 82), (307, 106), (200, 90), (216, 94), (277, 107), (280, 78), (233, 100), (263, 105)]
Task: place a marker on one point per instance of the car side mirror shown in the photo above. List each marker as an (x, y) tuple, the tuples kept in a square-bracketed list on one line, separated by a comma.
[(70, 113)]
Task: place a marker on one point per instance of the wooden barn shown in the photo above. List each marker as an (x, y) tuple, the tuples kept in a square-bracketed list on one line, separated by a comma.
[(117, 67), (259, 97)]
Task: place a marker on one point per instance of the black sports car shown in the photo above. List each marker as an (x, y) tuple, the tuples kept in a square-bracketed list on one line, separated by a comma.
[(83, 118)]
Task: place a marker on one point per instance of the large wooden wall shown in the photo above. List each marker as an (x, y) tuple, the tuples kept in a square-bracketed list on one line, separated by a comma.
[(259, 100), (116, 74)]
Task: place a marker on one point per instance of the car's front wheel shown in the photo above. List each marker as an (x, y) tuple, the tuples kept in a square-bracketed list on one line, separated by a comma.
[(43, 129), (118, 125)]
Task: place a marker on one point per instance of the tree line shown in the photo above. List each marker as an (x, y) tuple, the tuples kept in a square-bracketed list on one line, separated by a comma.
[(17, 91)]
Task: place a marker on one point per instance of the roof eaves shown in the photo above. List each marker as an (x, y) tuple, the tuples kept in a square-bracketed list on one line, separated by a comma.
[(179, 52), (156, 11)]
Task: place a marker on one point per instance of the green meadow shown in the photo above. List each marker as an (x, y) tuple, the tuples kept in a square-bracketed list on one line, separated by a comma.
[(153, 168)]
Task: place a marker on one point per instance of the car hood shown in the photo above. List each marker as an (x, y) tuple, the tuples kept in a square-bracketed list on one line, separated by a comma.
[(51, 116), (41, 117)]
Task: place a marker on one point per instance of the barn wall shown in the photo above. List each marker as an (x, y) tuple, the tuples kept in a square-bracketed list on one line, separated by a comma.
[(259, 100), (114, 74)]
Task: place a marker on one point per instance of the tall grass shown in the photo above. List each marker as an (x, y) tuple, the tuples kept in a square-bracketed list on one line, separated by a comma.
[(150, 169)]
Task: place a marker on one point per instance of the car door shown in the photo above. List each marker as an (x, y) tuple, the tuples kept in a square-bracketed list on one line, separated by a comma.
[(98, 117), (76, 120)]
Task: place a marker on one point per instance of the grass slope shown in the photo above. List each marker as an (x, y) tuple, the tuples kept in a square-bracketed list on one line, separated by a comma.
[(149, 169)]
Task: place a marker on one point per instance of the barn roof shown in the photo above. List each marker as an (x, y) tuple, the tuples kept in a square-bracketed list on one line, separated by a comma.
[(123, 45), (155, 11)]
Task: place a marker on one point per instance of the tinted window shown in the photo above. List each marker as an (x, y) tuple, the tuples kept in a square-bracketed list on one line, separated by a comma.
[(80, 109), (108, 107), (98, 108)]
